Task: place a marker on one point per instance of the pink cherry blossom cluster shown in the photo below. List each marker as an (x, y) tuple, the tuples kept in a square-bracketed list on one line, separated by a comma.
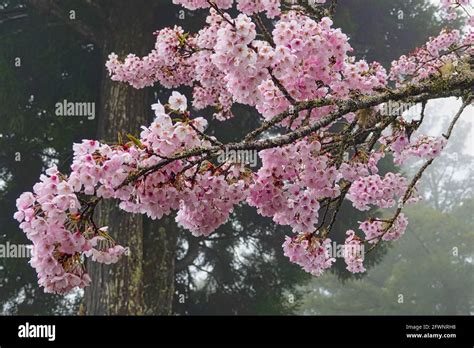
[(450, 7), (290, 184), (103, 252), (310, 252), (228, 64), (376, 190), (375, 229), (307, 51), (449, 47), (354, 253), (209, 203), (211, 88), (203, 197), (235, 57), (50, 217), (163, 64), (358, 168), (62, 229), (250, 7), (422, 146), (101, 169), (425, 147)]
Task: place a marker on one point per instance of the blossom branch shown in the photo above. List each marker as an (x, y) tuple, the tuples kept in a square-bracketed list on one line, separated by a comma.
[(454, 85), (442, 87), (419, 174)]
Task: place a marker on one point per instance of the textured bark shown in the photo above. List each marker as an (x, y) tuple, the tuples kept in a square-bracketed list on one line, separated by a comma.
[(160, 241), (119, 289)]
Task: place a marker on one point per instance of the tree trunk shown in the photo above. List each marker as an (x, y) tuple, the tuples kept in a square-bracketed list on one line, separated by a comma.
[(120, 289), (160, 240)]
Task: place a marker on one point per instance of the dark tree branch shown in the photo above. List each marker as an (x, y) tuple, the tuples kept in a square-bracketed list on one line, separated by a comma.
[(454, 86)]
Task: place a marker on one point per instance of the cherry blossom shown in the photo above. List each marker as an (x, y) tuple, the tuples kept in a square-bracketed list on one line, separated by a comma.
[(375, 229), (354, 253), (310, 252), (376, 190), (301, 76), (178, 102), (450, 7)]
